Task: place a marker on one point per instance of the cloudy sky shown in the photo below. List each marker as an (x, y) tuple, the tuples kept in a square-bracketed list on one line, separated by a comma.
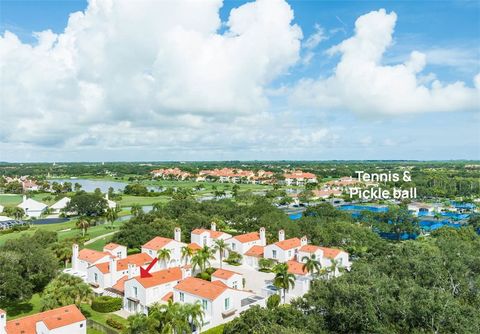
[(114, 80)]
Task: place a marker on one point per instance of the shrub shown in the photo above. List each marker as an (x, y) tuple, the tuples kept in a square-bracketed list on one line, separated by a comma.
[(114, 323), (204, 275), (106, 304), (234, 258), (273, 301)]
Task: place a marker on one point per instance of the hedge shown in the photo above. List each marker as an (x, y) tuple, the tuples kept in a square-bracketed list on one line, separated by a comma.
[(114, 323), (106, 304)]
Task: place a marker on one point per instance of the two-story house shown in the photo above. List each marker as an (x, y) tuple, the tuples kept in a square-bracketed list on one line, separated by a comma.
[(173, 245)]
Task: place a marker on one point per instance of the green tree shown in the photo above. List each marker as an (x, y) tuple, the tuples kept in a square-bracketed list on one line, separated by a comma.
[(65, 290), (221, 246), (187, 254), (273, 301), (83, 223), (311, 265), (265, 263), (89, 205), (283, 279), (111, 215), (164, 256)]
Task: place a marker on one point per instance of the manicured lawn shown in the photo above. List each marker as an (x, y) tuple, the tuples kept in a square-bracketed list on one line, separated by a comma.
[(93, 331), (128, 200), (14, 199), (98, 245), (215, 330), (17, 310), (101, 317)]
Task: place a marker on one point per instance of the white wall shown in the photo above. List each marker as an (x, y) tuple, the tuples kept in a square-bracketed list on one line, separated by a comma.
[(75, 328)]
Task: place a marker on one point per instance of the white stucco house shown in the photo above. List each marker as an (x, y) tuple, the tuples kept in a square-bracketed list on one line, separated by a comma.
[(174, 245), (60, 205), (32, 208), (244, 242), (284, 250), (62, 320), (230, 278), (203, 237)]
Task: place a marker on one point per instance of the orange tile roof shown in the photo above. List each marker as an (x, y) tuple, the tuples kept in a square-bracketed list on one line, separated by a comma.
[(160, 277), (295, 267), (56, 318), (91, 255), (252, 236), (194, 246), (255, 251), (289, 243), (120, 285), (168, 296), (111, 246), (224, 274), (202, 288), (157, 243), (213, 234), (309, 248), (139, 259), (331, 253)]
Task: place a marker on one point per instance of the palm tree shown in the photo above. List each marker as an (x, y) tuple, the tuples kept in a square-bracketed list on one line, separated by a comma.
[(140, 324), (187, 253), (311, 265), (193, 313), (63, 252), (202, 258), (265, 263), (164, 255), (334, 267), (111, 214), (83, 223), (283, 279), (221, 246)]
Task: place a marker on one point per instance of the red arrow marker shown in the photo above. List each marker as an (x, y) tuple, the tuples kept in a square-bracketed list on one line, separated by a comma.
[(145, 272)]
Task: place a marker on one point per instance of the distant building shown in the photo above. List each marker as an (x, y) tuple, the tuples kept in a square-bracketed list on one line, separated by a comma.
[(60, 205), (299, 178), (32, 208)]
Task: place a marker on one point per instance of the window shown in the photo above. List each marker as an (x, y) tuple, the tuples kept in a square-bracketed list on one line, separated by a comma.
[(182, 297), (95, 278), (289, 253), (135, 291), (274, 253), (235, 285), (119, 254), (227, 303), (204, 241), (233, 246), (204, 304), (81, 325)]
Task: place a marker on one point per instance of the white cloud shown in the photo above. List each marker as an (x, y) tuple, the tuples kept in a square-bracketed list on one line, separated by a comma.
[(143, 67), (362, 84), (312, 42)]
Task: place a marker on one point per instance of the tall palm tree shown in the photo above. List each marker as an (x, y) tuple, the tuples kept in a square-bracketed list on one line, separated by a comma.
[(221, 246), (164, 255), (63, 252), (335, 267), (193, 313), (83, 224), (283, 279), (311, 265), (187, 253), (111, 214)]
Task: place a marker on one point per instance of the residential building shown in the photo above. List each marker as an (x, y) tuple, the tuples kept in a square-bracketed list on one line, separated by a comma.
[(59, 206), (174, 245), (170, 173), (32, 208), (284, 250), (219, 302), (201, 237), (141, 292), (299, 178), (62, 320), (230, 278), (244, 242)]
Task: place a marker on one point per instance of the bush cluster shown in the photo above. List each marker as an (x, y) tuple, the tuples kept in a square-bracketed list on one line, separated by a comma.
[(106, 304), (114, 323)]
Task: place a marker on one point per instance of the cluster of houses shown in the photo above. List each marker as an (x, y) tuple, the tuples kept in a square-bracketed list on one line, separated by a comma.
[(231, 289), (25, 181)]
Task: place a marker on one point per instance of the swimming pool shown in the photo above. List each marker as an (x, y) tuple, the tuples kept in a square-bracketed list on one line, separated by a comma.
[(370, 208)]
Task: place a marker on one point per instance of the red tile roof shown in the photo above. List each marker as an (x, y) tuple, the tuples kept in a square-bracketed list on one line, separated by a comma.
[(168, 296), (243, 238), (139, 259), (111, 246), (91, 255), (331, 253), (256, 251), (194, 246), (56, 318), (224, 274), (157, 243), (296, 268), (309, 248), (213, 234), (120, 285), (289, 243), (202, 288), (161, 277)]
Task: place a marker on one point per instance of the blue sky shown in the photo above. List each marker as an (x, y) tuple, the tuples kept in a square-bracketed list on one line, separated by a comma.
[(287, 120)]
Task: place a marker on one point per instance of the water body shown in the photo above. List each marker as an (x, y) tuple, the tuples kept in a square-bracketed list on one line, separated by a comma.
[(90, 185)]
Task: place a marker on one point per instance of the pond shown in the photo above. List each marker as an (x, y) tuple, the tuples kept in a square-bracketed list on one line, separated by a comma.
[(90, 185)]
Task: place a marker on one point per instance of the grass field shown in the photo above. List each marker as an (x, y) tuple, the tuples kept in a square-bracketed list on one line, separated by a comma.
[(128, 200)]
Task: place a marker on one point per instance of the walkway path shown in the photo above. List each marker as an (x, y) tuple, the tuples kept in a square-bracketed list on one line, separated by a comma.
[(100, 237)]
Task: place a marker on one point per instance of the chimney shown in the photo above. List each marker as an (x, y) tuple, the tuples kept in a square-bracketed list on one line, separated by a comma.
[(75, 257), (113, 265), (3, 322), (263, 241), (304, 240), (177, 234), (214, 226), (131, 269), (281, 235)]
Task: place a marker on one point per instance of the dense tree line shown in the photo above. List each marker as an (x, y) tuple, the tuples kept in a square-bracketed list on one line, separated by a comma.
[(411, 287)]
